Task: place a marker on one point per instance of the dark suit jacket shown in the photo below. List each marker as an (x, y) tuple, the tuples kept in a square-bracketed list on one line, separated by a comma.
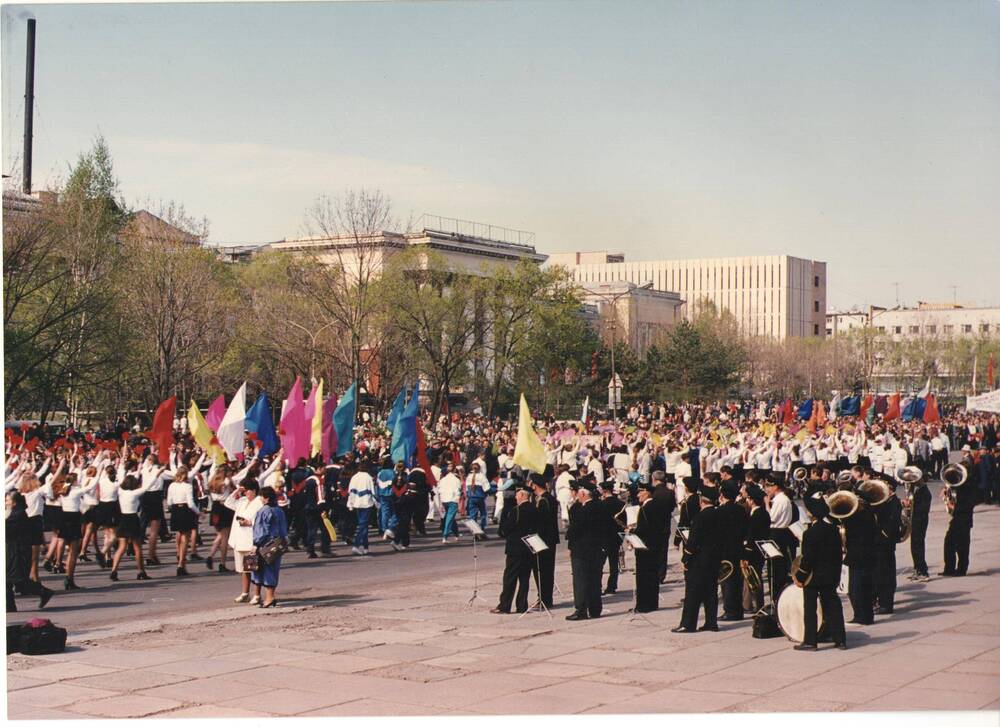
[(651, 526), (589, 528), (758, 528), (888, 518), (821, 554), (515, 523), (733, 521), (861, 536), (548, 518), (703, 551)]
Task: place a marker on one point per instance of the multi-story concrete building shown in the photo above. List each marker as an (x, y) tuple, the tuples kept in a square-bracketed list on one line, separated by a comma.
[(927, 320), (779, 296), (637, 314)]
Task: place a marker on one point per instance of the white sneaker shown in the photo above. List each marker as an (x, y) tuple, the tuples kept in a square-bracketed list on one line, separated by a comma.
[(397, 548), (356, 550), (389, 535), (242, 598), (255, 601), (444, 540), (364, 551)]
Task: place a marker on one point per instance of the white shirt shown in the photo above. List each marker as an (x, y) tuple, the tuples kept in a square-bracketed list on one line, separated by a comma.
[(128, 500), (781, 511), (449, 488), (361, 494), (596, 468), (181, 492), (241, 536)]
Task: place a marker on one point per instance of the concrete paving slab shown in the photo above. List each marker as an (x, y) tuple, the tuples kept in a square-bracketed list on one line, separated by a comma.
[(208, 690), (556, 669), (135, 680), (63, 672), (372, 708), (286, 701), (203, 667), (982, 684), (671, 699), (36, 713), (56, 696), (18, 681), (126, 706), (912, 698), (209, 711)]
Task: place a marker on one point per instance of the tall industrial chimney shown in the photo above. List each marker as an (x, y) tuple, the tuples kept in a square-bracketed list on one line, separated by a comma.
[(29, 104)]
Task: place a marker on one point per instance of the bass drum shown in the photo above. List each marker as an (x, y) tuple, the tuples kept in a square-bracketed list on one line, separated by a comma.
[(845, 581), (791, 614)]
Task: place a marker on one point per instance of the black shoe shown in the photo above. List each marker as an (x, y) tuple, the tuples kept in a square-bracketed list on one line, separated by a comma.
[(842, 646), (182, 571), (947, 573), (113, 575), (883, 611), (70, 585), (595, 615), (706, 627), (59, 568), (805, 647), (47, 565), (726, 617), (682, 630), (222, 568), (102, 559), (498, 610), (143, 576), (208, 562), (84, 558), (577, 617), (45, 596), (311, 556), (195, 557), (152, 561)]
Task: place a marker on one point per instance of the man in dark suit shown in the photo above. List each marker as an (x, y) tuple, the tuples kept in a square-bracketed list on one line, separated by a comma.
[(861, 532), (666, 503), (689, 506), (516, 523), (589, 528), (758, 528), (544, 564), (958, 537), (651, 528), (702, 556), (888, 521), (613, 543), (819, 574), (733, 521)]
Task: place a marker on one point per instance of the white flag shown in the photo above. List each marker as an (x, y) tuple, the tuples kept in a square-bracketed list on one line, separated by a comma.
[(922, 394), (230, 433), (975, 363), (586, 410)]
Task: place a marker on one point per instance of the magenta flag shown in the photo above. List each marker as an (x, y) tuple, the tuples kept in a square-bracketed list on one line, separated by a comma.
[(216, 411), (294, 431), (328, 444)]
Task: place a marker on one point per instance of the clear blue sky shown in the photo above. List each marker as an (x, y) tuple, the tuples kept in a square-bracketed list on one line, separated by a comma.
[(864, 134)]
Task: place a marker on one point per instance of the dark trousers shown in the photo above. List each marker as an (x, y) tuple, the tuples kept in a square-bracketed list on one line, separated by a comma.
[(833, 614), (918, 538), (939, 459), (296, 527), (587, 584), (420, 509), (404, 516), (701, 590), (861, 592), (885, 576), (313, 524), (662, 571), (612, 556), (516, 574), (956, 548), (346, 523), (732, 593), (543, 566), (780, 573), (647, 580)]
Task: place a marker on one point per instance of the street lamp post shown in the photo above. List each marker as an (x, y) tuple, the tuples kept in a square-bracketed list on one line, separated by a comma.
[(312, 345), (615, 385)]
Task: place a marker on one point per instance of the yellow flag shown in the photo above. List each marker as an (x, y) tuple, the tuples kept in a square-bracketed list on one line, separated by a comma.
[(203, 436), (529, 452), (317, 422)]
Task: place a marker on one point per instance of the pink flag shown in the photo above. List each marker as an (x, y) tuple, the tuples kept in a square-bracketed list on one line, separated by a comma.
[(328, 443), (294, 431), (215, 413)]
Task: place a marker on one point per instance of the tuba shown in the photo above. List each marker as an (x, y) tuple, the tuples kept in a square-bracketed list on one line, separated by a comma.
[(843, 478), (750, 576), (843, 504), (911, 477), (725, 571), (874, 492), (800, 475), (800, 577), (954, 476)]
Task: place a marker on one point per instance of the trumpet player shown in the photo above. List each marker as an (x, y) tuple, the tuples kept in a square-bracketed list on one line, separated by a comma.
[(758, 528), (888, 518), (960, 499), (819, 573), (734, 521)]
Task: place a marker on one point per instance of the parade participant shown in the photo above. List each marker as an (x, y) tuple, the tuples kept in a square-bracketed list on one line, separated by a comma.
[(449, 489), (244, 502), (734, 522), (652, 527), (107, 513), (70, 533), (18, 540), (314, 504), (269, 524), (960, 502), (360, 500), (702, 558), (919, 502), (782, 512), (129, 530), (666, 503), (221, 517), (543, 566), (613, 541), (34, 534), (517, 522), (589, 526), (183, 515), (421, 505), (819, 574), (859, 542), (564, 492), (690, 504), (386, 502), (407, 497), (151, 509), (758, 528), (888, 520), (476, 486)]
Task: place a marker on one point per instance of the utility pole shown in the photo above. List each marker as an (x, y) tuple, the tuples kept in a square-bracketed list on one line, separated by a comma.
[(29, 104)]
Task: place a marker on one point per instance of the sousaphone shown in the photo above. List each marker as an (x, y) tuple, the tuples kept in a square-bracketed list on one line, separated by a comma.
[(874, 492), (954, 475)]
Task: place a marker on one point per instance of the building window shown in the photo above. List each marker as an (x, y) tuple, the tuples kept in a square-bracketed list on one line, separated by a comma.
[(815, 281), (881, 329), (984, 328), (897, 329), (815, 306), (967, 328), (932, 329), (914, 329), (948, 328), (829, 331), (815, 329)]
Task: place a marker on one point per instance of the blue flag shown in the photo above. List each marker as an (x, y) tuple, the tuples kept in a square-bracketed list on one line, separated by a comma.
[(404, 436), (397, 409), (343, 419), (850, 406), (914, 409), (260, 421), (806, 409)]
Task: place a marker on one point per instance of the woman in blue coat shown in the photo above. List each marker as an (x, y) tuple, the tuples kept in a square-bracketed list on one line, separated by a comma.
[(269, 523)]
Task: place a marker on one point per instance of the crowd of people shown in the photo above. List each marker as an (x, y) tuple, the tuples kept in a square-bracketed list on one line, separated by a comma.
[(713, 481)]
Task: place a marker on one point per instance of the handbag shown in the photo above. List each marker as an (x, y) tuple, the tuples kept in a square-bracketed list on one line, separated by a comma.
[(272, 550), (251, 561)]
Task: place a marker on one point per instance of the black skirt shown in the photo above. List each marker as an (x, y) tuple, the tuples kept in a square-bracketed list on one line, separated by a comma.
[(106, 514), (182, 519), (35, 531), (129, 527), (51, 518), (88, 515), (222, 516), (151, 504), (69, 528)]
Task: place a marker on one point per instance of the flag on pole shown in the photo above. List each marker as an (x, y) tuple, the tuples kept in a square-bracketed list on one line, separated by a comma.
[(931, 410), (216, 410), (789, 412), (162, 432), (922, 394), (404, 436), (892, 412), (529, 451), (866, 404), (231, 429), (328, 445), (835, 407), (316, 421), (343, 420), (203, 436), (585, 416), (806, 409), (396, 410), (260, 422), (422, 461), (294, 433)]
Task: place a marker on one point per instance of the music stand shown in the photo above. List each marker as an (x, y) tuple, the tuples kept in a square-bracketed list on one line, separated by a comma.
[(473, 527), (536, 545), (770, 550), (634, 542)]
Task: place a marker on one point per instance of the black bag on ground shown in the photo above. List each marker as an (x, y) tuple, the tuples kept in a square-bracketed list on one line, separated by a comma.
[(13, 638), (40, 636), (765, 626)]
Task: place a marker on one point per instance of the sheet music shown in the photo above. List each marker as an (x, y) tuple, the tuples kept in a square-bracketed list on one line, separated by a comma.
[(797, 528), (635, 541), (473, 527), (535, 543), (769, 548), (631, 515)]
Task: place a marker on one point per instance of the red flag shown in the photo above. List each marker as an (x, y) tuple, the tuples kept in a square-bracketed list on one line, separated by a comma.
[(931, 410), (893, 411), (789, 413), (422, 460), (162, 432), (989, 372), (866, 404)]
